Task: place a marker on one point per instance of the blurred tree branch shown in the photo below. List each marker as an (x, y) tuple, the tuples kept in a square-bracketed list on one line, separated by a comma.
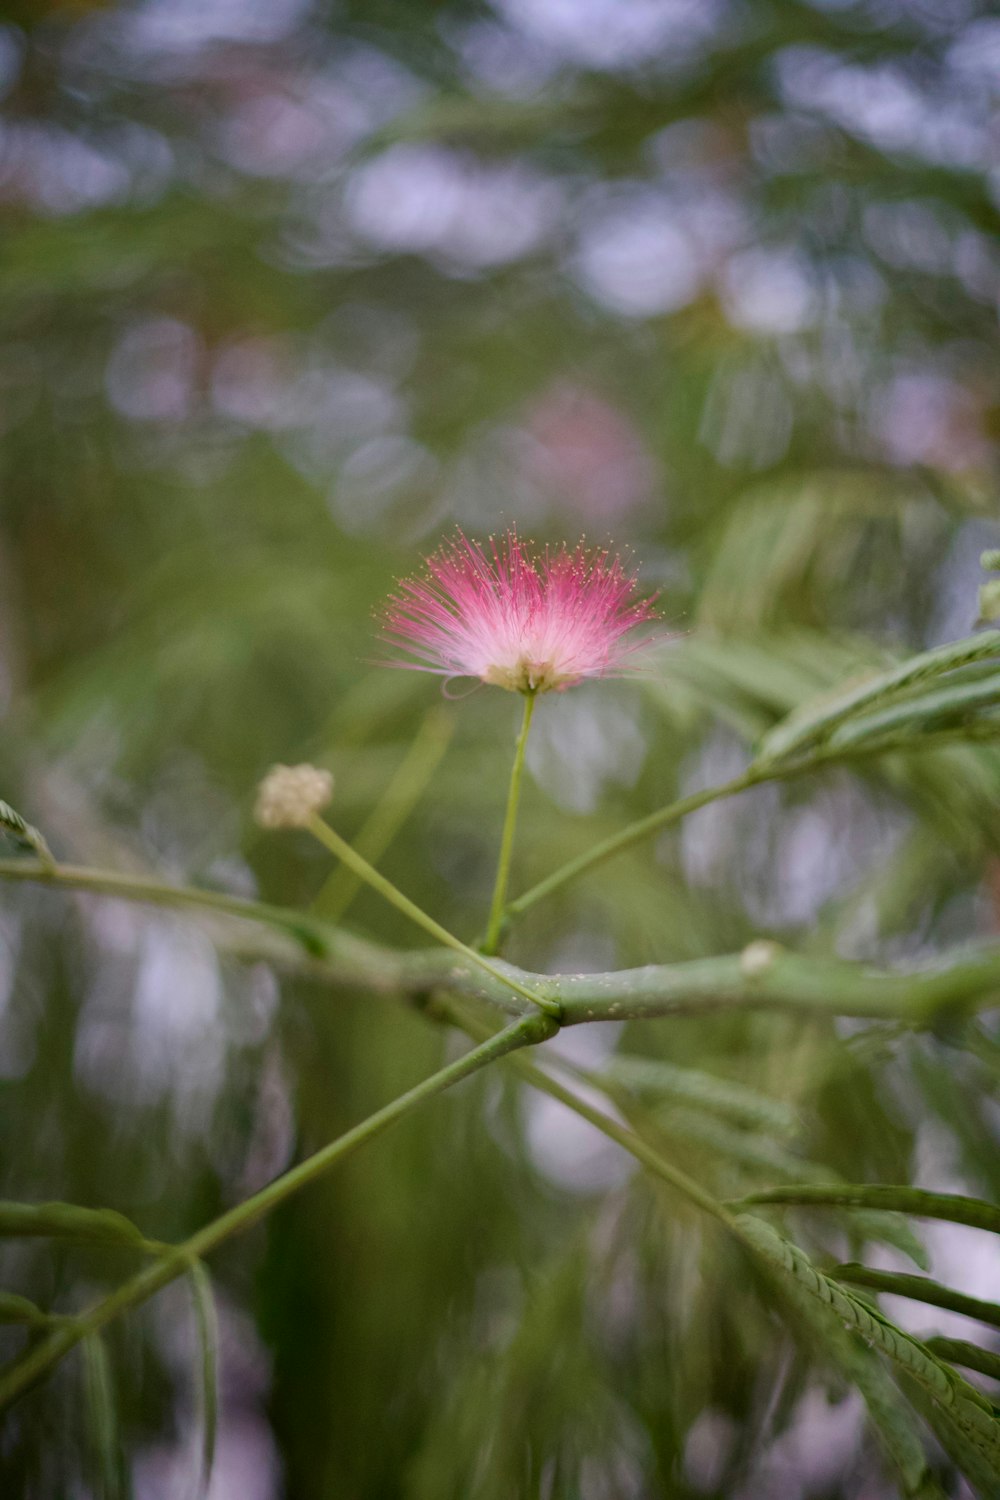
[(763, 976), (178, 1259)]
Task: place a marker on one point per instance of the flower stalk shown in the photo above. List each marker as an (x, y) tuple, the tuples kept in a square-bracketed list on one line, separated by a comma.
[(497, 917)]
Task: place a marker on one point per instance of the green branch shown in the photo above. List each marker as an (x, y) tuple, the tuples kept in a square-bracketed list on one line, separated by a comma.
[(311, 933), (762, 977), (633, 833), (758, 773), (767, 977)]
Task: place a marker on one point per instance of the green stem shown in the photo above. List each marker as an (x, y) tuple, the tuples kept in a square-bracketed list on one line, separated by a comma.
[(634, 833), (497, 913), (313, 933), (755, 775), (332, 840), (523, 1033)]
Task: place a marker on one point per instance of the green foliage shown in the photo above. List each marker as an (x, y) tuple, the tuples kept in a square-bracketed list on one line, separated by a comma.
[(290, 291), (839, 719), (964, 1405), (898, 1426)]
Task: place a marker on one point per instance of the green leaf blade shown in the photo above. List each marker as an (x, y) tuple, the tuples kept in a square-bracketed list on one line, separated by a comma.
[(970, 1356), (67, 1221), (650, 1076), (818, 718), (953, 1207), (966, 1409), (919, 1289)]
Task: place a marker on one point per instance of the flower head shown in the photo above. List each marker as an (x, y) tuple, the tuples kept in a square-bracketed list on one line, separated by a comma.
[(289, 795), (528, 623)]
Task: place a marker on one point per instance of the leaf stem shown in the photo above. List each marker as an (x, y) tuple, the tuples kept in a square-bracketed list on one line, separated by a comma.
[(497, 913), (332, 840), (634, 833), (525, 1032), (756, 774)]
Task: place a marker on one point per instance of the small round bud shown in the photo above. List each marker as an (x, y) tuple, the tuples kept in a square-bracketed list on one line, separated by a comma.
[(758, 956), (289, 795)]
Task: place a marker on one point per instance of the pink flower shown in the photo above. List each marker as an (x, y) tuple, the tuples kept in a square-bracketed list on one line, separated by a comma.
[(530, 624)]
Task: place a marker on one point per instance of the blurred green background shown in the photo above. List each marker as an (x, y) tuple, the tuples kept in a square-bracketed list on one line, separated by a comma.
[(287, 291)]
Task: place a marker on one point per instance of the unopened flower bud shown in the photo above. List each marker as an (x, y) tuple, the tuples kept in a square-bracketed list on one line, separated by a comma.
[(989, 602), (290, 795), (758, 956)]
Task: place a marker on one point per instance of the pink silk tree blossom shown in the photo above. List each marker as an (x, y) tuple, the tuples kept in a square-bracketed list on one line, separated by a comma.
[(530, 623)]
